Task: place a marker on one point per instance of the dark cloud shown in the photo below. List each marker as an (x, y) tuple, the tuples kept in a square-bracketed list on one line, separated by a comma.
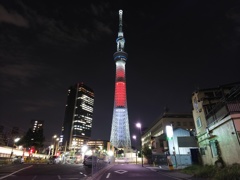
[(12, 17), (36, 106), (19, 74), (53, 30)]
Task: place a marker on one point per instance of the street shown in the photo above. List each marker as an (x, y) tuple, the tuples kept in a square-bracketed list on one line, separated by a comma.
[(133, 171), (80, 172), (44, 171)]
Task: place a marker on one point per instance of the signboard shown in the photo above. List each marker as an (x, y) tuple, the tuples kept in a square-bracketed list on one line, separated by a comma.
[(187, 141), (169, 131)]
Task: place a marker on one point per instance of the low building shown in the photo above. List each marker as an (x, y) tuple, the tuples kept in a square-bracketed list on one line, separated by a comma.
[(216, 113), (155, 137)]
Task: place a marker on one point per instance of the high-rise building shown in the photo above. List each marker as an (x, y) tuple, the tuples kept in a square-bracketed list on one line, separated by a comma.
[(120, 133), (37, 125), (77, 125)]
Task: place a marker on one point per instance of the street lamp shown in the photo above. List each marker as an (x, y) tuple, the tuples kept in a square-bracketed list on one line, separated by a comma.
[(139, 126), (54, 144), (135, 137), (14, 141), (84, 149)]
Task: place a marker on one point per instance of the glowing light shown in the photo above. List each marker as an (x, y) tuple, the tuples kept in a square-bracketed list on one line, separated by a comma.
[(169, 131), (84, 148), (110, 153), (138, 125)]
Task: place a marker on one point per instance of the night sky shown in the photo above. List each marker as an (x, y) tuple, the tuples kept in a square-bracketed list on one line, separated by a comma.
[(174, 48)]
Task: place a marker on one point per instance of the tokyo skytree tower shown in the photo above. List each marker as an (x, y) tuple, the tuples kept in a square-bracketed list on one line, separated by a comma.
[(120, 134)]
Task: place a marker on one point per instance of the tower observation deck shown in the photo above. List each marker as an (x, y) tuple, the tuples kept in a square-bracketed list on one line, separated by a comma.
[(120, 133)]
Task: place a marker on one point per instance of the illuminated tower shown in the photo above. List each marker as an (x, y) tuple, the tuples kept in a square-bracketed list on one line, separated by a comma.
[(120, 134)]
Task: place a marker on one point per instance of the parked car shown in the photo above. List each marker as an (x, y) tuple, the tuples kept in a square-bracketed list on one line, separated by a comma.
[(54, 160), (71, 160), (18, 160), (90, 160)]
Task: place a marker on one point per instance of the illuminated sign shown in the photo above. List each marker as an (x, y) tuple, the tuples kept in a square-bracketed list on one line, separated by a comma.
[(169, 131)]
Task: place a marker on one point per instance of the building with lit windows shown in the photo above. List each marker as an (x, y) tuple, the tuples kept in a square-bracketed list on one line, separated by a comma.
[(77, 125), (120, 133), (37, 125), (101, 145)]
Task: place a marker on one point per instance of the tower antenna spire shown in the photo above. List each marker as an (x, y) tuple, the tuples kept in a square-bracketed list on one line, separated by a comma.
[(120, 40), (120, 22)]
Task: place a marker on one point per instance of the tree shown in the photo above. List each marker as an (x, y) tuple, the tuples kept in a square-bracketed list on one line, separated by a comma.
[(32, 139), (147, 152)]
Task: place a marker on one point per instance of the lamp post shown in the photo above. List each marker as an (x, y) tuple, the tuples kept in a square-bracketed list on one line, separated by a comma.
[(49, 150), (14, 141), (74, 143), (139, 126), (56, 146), (135, 137), (54, 142)]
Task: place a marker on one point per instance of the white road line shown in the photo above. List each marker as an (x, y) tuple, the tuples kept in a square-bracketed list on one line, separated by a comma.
[(59, 177), (15, 172), (108, 175), (34, 177)]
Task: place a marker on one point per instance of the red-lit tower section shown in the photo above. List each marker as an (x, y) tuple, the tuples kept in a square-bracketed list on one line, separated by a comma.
[(120, 134)]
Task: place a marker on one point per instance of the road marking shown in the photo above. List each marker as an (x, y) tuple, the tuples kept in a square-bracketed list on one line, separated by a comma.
[(34, 177), (108, 175), (15, 172), (120, 171), (82, 174), (59, 177)]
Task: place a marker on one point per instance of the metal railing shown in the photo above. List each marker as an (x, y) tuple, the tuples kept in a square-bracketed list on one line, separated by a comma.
[(222, 110)]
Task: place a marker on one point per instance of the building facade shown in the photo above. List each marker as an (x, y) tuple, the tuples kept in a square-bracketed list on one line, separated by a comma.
[(101, 145), (120, 133), (37, 125), (155, 135), (77, 125), (216, 113)]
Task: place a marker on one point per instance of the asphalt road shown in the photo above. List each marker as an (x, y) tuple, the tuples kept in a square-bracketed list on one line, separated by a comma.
[(80, 172), (44, 172), (133, 171)]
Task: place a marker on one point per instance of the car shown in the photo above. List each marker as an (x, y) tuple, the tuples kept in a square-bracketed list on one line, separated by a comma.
[(71, 160), (18, 160), (90, 160), (54, 160)]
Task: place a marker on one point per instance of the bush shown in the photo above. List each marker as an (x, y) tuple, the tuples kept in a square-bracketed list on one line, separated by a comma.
[(213, 172), (206, 171), (191, 169), (228, 173)]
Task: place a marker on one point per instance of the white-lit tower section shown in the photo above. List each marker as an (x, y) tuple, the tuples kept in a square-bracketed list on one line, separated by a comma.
[(120, 133)]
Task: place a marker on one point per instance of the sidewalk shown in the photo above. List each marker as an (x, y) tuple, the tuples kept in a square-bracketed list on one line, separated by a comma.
[(173, 173)]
